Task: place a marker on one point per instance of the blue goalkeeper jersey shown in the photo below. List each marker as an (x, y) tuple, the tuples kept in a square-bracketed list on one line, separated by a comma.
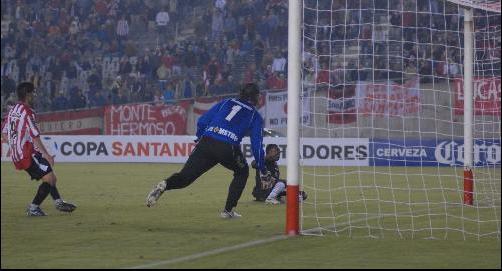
[(229, 121)]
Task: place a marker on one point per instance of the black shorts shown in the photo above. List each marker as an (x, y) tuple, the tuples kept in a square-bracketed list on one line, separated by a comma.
[(39, 167)]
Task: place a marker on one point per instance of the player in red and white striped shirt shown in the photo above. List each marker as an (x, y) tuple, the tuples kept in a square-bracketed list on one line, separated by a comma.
[(29, 153)]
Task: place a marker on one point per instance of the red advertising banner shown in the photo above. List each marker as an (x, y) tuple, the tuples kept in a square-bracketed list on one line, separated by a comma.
[(79, 122), (486, 96), (388, 98), (342, 105), (146, 119)]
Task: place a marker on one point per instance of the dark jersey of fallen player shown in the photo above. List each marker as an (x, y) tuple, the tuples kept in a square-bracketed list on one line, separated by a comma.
[(263, 187)]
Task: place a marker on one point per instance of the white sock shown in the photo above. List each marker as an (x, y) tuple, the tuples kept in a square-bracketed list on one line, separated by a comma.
[(278, 188), (33, 206), (58, 201)]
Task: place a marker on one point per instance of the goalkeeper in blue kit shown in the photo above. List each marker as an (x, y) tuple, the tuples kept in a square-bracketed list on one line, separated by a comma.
[(219, 134)]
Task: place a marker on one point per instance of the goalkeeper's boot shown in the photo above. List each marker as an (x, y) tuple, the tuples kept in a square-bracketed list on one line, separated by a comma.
[(35, 211), (229, 214), (64, 206), (273, 201), (155, 194)]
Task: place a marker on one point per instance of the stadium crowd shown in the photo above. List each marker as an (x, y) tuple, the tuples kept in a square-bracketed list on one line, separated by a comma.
[(397, 40), (85, 53)]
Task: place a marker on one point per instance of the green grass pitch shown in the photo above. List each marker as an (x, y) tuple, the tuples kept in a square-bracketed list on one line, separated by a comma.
[(112, 227)]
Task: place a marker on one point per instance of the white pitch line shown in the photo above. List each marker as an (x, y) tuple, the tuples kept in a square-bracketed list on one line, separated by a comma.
[(212, 252), (224, 249), (236, 247)]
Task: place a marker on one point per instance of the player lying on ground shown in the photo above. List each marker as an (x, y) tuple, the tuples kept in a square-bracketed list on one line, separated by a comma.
[(28, 152), (219, 134), (270, 188)]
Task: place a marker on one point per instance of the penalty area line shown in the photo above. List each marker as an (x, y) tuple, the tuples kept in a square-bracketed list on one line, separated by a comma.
[(237, 247), (211, 252)]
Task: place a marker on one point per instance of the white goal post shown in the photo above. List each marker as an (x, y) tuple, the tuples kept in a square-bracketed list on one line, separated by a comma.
[(406, 100), (294, 92)]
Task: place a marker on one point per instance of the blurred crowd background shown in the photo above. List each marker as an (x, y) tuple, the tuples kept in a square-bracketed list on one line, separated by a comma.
[(83, 53)]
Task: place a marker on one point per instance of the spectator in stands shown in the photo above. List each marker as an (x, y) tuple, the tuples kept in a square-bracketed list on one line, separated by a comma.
[(69, 36), (220, 5), (162, 75), (229, 27), (119, 98), (259, 49), (217, 25), (190, 58), (60, 102), (74, 27), (232, 52), (213, 69), (187, 88), (216, 89), (250, 74), (277, 81), (77, 99), (144, 65), (158, 98), (122, 29), (262, 28), (425, 71), (162, 20), (94, 80), (279, 62), (323, 76), (169, 93), (453, 68), (229, 85), (125, 66), (97, 100), (8, 85), (246, 45)]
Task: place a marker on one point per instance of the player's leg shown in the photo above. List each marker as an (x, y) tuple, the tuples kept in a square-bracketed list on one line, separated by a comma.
[(302, 195), (260, 194), (197, 164), (59, 203), (37, 171), (41, 169), (233, 159), (279, 187), (42, 192), (283, 193)]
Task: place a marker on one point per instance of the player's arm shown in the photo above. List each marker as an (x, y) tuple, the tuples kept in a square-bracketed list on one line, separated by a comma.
[(35, 134), (205, 119), (41, 147), (5, 136), (257, 143)]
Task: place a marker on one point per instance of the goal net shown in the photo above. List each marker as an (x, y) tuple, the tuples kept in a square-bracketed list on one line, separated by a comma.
[(384, 81)]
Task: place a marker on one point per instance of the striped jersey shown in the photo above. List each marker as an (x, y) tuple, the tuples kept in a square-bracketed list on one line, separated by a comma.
[(21, 127)]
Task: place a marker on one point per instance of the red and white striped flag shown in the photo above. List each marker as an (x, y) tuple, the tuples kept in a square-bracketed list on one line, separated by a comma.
[(203, 104)]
